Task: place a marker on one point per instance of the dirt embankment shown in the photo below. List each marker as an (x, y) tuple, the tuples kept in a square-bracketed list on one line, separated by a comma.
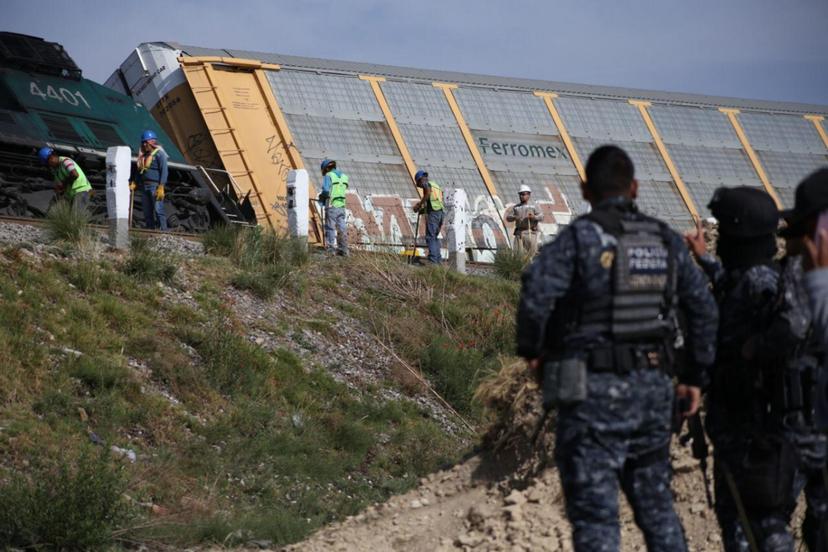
[(506, 498)]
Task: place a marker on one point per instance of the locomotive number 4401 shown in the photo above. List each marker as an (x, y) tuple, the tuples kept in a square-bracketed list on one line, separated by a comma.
[(61, 95)]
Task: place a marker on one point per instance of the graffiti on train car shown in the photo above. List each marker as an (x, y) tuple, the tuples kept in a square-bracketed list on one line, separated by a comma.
[(389, 220)]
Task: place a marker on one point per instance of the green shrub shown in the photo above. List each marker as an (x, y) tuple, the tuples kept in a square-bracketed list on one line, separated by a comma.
[(54, 402), (455, 371), (266, 259), (279, 525), (510, 263), (256, 248), (148, 264), (231, 364), (221, 240), (351, 436), (264, 282), (96, 373), (63, 223), (73, 506), (85, 275)]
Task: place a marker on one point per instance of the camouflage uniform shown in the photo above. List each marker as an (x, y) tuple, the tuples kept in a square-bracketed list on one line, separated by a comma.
[(745, 298), (792, 336), (621, 432), (751, 304)]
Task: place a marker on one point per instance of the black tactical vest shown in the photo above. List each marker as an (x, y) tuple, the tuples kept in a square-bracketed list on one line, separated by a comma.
[(791, 384), (640, 307)]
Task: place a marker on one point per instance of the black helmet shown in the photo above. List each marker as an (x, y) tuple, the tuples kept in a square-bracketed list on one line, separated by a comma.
[(744, 212), (811, 198)]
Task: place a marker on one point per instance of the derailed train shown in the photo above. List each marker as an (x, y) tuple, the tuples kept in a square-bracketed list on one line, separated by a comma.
[(44, 100)]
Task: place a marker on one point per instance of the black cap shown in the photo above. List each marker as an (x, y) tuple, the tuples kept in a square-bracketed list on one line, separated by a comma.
[(744, 212), (811, 198)]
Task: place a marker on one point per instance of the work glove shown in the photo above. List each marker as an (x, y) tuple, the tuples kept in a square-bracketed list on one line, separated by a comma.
[(132, 186), (159, 193), (323, 197), (417, 207)]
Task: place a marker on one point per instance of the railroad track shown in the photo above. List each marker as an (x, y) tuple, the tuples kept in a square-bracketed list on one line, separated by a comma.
[(30, 221)]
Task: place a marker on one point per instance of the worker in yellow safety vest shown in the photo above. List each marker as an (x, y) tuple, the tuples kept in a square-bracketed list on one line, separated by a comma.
[(432, 204), (70, 179), (151, 179), (332, 199)]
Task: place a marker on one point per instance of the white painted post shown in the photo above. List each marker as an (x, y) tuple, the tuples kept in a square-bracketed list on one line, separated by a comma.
[(298, 205), (457, 215), (118, 161)]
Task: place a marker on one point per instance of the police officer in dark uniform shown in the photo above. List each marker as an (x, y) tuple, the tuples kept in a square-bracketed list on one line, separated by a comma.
[(596, 313), (795, 347), (745, 284)]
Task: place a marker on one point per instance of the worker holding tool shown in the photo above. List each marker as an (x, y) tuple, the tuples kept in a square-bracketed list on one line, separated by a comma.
[(151, 178), (526, 217), (70, 179), (432, 204), (332, 197), (413, 258)]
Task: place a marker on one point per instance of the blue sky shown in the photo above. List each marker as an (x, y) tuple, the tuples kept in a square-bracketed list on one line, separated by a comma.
[(763, 49)]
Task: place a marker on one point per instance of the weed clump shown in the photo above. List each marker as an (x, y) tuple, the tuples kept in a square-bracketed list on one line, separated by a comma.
[(74, 505), (231, 364), (98, 374), (67, 224), (265, 259), (263, 283), (85, 275), (456, 371), (256, 248), (510, 263), (148, 264), (220, 240)]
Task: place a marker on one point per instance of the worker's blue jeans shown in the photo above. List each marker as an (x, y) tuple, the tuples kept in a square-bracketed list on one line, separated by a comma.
[(154, 214), (80, 202), (434, 221), (336, 233)]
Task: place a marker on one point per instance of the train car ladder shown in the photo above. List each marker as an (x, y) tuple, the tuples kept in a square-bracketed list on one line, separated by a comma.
[(227, 139)]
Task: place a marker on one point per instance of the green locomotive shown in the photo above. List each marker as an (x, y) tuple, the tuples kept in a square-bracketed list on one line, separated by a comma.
[(44, 100)]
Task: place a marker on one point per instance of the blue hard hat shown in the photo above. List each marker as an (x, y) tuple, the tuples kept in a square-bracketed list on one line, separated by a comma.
[(419, 175), (44, 153), (148, 135), (326, 162)]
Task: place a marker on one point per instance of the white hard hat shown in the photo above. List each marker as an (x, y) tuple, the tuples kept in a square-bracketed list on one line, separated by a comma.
[(524, 188)]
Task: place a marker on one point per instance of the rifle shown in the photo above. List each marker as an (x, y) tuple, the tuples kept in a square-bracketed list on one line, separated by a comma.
[(695, 433)]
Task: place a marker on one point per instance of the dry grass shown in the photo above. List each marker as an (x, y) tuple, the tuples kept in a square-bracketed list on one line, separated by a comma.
[(512, 398), (502, 389), (520, 434), (389, 275), (407, 381)]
